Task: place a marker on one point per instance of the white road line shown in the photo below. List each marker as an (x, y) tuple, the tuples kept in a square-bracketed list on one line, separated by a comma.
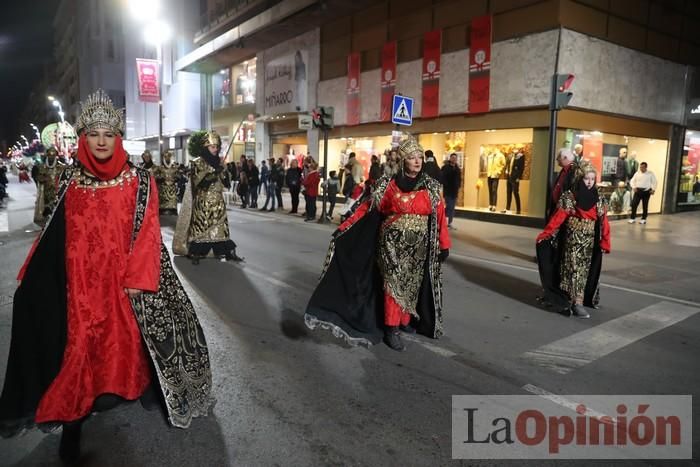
[(610, 286), (563, 401), (570, 353), (4, 222)]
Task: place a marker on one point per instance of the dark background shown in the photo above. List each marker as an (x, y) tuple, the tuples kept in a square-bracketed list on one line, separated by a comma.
[(26, 46)]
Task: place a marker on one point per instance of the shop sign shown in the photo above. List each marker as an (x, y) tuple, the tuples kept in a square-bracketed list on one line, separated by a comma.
[(694, 111), (286, 84), (305, 121), (147, 73)]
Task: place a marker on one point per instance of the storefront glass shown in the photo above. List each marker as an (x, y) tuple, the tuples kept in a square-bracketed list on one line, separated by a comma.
[(689, 186), (221, 89), (244, 75), (603, 151)]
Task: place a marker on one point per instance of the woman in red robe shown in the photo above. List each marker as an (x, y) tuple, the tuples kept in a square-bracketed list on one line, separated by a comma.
[(106, 234), (382, 273)]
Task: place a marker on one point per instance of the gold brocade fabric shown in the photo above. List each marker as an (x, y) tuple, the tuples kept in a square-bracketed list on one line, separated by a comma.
[(577, 256), (46, 190), (403, 248), (208, 223), (166, 179)]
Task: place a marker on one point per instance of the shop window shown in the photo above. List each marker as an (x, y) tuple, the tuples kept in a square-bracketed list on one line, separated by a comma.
[(244, 85), (221, 89), (617, 158), (689, 186)]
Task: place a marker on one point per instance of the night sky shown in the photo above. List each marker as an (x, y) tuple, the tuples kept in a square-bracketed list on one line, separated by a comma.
[(26, 44)]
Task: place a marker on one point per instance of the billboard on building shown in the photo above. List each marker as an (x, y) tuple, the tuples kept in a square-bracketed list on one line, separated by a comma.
[(286, 83)]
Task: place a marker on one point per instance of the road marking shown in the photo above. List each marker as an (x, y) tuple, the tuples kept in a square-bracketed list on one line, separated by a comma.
[(577, 350), (603, 284), (563, 401), (4, 222)]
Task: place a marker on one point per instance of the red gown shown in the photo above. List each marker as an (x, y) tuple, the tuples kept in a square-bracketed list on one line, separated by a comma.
[(394, 204), (104, 351)]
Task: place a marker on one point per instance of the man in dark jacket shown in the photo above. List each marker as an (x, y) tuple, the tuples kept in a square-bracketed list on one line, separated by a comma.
[(253, 183), (293, 180), (430, 166), (451, 182), (375, 170)]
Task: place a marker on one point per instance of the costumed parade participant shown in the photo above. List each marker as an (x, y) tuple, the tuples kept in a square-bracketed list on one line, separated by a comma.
[(46, 178), (100, 315), (166, 176), (569, 250), (383, 270), (147, 161), (202, 225)]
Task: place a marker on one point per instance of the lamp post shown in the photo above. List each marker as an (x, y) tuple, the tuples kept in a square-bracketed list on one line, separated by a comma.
[(55, 102), (156, 32), (36, 131)]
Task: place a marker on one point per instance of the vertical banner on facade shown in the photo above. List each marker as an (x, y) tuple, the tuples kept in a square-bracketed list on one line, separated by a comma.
[(388, 80), (353, 89), (147, 73), (432, 48), (480, 64)]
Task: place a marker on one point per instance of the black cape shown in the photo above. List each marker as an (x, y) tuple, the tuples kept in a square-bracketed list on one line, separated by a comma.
[(348, 300)]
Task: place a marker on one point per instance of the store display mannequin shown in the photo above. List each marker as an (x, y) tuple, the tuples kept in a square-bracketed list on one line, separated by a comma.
[(620, 199), (578, 152), (514, 172), (632, 165), (495, 163), (621, 168)]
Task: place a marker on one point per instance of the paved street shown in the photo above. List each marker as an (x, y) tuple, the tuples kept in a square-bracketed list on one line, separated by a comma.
[(286, 396)]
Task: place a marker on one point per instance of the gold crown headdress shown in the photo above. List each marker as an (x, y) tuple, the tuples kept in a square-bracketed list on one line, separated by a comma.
[(52, 150), (99, 112), (212, 138), (409, 146), (582, 168)]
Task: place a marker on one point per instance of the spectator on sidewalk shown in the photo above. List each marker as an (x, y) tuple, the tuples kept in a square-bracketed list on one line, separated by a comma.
[(643, 185), (310, 184), (270, 186), (375, 170), (430, 167), (253, 183), (279, 183), (264, 175), (331, 187), (243, 189), (293, 179), (452, 180)]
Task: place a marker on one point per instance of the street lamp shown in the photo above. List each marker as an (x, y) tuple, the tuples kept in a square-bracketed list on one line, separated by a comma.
[(36, 130), (156, 32)]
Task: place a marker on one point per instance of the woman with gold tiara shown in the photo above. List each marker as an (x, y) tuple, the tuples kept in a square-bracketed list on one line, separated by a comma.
[(100, 316), (383, 272)]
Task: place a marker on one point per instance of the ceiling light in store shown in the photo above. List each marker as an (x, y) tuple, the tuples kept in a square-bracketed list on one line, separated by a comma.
[(597, 133), (435, 133), (447, 132), (652, 141), (689, 132)]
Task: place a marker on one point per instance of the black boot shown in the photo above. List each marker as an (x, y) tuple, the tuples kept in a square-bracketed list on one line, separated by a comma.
[(69, 449), (232, 256), (408, 329), (393, 339), (194, 259)]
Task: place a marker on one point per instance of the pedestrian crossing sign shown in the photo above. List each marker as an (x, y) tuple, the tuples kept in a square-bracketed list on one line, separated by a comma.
[(402, 110)]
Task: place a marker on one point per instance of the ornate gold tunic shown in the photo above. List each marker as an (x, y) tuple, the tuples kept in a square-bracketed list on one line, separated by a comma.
[(46, 190), (209, 223), (166, 179)]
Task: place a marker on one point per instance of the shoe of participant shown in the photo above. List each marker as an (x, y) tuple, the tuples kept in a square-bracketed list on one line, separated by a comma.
[(631, 221), (579, 311), (329, 218), (505, 211), (310, 219), (69, 449), (270, 210), (393, 339), (408, 329), (643, 221)]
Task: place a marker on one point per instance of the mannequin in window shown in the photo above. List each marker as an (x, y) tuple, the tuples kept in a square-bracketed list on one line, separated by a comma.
[(621, 167), (578, 152), (632, 165), (495, 162), (514, 172)]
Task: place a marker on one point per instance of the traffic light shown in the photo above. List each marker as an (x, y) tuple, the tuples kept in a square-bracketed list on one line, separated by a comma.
[(322, 117), (560, 93)]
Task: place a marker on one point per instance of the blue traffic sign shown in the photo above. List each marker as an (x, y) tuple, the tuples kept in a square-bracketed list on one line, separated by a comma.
[(402, 110)]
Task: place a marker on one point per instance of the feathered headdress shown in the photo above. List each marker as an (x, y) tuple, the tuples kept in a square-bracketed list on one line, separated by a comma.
[(99, 112)]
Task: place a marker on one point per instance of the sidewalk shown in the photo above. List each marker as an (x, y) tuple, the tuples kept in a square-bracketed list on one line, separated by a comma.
[(661, 257)]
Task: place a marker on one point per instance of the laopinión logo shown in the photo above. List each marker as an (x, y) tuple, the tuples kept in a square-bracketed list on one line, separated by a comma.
[(572, 427)]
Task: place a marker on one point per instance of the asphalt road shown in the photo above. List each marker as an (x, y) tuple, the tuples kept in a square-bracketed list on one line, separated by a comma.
[(289, 396)]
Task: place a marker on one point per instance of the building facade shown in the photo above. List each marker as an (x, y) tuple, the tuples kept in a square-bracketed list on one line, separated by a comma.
[(635, 66)]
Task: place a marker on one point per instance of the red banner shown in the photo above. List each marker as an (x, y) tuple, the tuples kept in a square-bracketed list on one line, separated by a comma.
[(353, 89), (147, 73), (388, 80), (432, 48), (480, 64)]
